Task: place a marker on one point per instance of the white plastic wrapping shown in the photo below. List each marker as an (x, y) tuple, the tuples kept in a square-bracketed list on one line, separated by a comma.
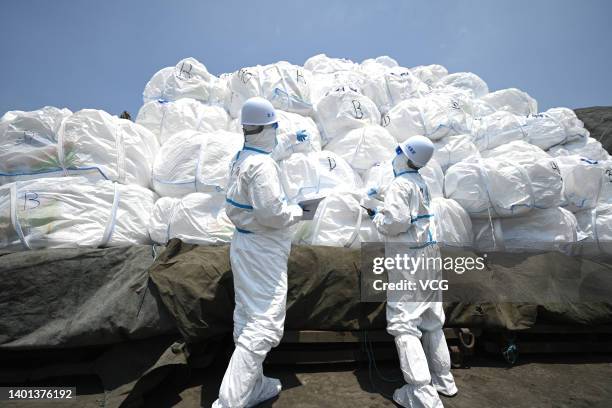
[(453, 149), (285, 85), (312, 175), (497, 129), (434, 115), (166, 118), (188, 79), (364, 147), (197, 218), (556, 126), (195, 162), (465, 80), (322, 64), (89, 143), (596, 225), (452, 223), (605, 195), (501, 187), (343, 110), (511, 100), (547, 229), (53, 213)]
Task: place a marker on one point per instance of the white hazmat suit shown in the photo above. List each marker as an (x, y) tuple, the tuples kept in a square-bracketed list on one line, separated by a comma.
[(259, 252), (415, 320)]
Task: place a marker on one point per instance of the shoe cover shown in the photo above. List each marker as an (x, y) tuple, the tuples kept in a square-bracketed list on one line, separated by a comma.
[(265, 389), (242, 379), (417, 396), (444, 384)]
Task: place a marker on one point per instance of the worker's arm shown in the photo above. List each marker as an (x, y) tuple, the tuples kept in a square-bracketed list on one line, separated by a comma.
[(394, 216), (267, 197)]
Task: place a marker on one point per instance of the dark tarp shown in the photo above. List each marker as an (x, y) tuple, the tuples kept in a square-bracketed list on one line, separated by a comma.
[(78, 297), (598, 120)]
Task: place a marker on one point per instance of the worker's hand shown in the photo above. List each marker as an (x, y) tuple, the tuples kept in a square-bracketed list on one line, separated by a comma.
[(302, 136)]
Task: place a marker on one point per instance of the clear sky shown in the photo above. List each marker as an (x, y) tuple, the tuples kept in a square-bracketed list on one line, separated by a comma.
[(100, 54)]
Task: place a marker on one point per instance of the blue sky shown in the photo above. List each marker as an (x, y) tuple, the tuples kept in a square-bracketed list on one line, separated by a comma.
[(100, 54)]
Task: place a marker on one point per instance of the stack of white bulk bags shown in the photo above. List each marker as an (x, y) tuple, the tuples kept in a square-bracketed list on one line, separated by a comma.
[(165, 118), (343, 110), (53, 213), (596, 225), (313, 175), (435, 116), (511, 100), (453, 149), (364, 147), (285, 85), (542, 229), (503, 187), (497, 129), (465, 80), (452, 224), (89, 143), (195, 162), (188, 79), (197, 218)]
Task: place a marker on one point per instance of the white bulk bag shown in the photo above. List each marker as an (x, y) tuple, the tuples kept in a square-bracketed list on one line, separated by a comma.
[(312, 175), (605, 195), (587, 147), (165, 118), (511, 100), (388, 88), (557, 126), (434, 178), (452, 224), (582, 182), (378, 65), (435, 115), (322, 64), (497, 129), (430, 74), (518, 151), (596, 225), (197, 218), (545, 229), (89, 143), (194, 161), (54, 213), (188, 79), (339, 221), (453, 149), (501, 187), (343, 110), (28, 143), (465, 80), (364, 147), (285, 85)]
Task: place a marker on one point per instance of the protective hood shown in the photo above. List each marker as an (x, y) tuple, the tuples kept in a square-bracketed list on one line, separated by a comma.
[(400, 165), (264, 141)]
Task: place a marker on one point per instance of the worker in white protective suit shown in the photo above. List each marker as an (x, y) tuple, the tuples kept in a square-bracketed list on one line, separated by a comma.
[(415, 319), (255, 203)]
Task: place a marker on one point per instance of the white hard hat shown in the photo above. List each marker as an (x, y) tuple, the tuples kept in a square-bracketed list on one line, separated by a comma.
[(258, 111), (418, 149)]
